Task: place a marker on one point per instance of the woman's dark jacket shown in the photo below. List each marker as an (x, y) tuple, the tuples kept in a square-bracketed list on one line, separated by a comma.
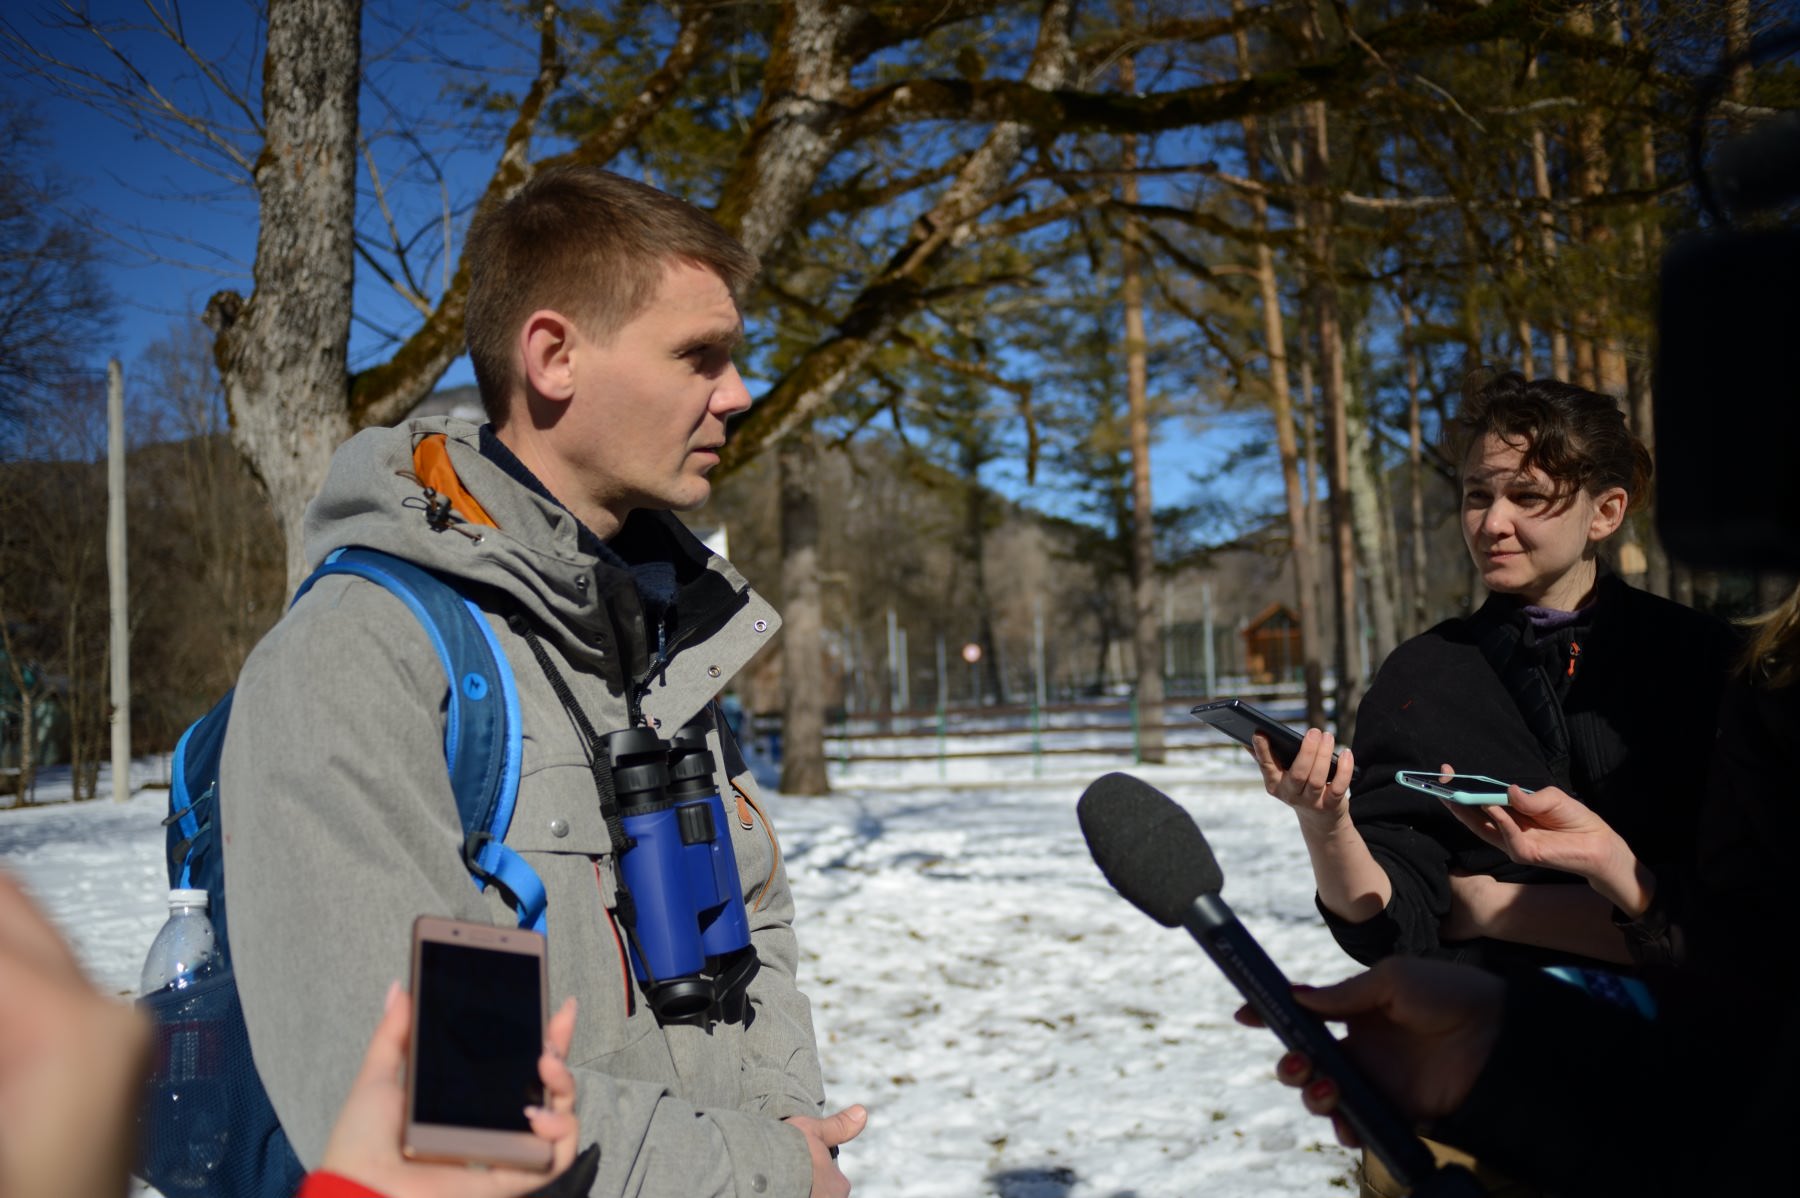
[(1738, 903), (1617, 709)]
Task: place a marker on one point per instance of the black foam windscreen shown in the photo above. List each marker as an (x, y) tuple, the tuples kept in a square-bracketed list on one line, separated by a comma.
[(1151, 850)]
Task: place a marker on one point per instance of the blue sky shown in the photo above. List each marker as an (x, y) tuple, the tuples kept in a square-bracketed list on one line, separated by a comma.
[(173, 234)]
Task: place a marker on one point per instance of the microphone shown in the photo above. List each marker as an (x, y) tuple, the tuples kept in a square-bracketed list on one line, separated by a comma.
[(1155, 856)]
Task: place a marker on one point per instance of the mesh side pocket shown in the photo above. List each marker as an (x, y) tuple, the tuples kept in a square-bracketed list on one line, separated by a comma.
[(206, 1128)]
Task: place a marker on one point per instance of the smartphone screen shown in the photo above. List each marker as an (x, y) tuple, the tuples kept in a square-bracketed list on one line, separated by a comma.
[(479, 1034), (478, 1030)]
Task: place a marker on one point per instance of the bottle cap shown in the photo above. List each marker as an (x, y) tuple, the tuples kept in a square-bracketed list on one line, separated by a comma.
[(187, 898)]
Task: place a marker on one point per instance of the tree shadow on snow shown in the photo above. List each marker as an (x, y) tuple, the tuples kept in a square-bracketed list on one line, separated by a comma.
[(1046, 1181)]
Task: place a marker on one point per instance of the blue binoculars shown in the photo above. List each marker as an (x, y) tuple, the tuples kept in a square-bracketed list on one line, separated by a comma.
[(687, 905)]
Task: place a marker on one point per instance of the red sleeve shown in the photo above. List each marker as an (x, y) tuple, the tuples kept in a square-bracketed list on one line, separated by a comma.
[(331, 1185)]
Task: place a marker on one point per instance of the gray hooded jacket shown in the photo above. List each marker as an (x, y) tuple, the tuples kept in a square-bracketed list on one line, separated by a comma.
[(341, 826)]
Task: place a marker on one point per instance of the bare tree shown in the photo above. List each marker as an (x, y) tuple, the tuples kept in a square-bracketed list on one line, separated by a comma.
[(53, 306), (802, 643)]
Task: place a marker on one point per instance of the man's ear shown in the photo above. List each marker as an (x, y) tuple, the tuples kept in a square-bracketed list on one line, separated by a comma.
[(547, 340), (1609, 513)]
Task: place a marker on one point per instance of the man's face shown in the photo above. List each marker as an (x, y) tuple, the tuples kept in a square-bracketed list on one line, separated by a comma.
[(650, 403)]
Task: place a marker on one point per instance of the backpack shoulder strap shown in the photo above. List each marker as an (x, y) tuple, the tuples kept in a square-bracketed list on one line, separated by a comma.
[(482, 734)]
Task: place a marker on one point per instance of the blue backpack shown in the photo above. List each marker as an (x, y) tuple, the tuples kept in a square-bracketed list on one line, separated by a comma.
[(222, 1139)]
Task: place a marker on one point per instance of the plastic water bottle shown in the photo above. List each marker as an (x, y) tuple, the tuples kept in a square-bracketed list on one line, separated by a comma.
[(187, 1098), (186, 950)]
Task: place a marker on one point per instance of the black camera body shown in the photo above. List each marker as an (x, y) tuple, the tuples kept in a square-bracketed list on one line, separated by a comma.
[(1727, 399)]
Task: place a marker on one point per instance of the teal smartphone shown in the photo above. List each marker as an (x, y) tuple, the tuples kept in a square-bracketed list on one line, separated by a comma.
[(1471, 790)]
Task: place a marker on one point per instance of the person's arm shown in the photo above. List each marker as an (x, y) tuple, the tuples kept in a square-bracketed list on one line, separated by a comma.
[(72, 1063), (1553, 829), (1552, 1086), (1627, 915), (1351, 884), (1563, 918), (340, 827)]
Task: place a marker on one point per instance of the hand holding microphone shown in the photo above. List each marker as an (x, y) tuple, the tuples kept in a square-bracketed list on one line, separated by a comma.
[(1157, 859), (1420, 1030)]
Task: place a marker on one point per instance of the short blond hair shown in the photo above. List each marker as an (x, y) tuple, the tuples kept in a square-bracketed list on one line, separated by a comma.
[(589, 244)]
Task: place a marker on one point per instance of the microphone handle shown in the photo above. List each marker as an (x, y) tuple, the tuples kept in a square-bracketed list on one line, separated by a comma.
[(1377, 1124)]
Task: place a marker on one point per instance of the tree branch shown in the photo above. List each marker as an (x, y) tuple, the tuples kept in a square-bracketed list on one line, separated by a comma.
[(383, 393)]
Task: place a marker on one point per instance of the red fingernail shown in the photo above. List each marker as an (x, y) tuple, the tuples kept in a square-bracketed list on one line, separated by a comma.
[(1321, 1089)]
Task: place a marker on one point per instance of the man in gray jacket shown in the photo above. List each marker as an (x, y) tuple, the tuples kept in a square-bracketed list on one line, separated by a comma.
[(601, 321)]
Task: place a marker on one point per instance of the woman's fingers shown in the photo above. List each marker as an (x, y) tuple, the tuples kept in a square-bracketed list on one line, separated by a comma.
[(1320, 1096), (1293, 1069), (1272, 774), (1475, 819), (1315, 751)]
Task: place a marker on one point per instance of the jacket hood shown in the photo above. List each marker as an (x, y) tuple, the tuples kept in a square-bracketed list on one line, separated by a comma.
[(373, 497)]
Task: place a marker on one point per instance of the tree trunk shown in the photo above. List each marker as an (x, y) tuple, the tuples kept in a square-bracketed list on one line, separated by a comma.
[(1540, 179), (1520, 321), (803, 622), (1374, 548), (893, 292), (1309, 441), (282, 352), (1335, 402), (975, 498), (1647, 244), (1146, 593), (797, 126), (26, 780), (1301, 546), (1419, 613)]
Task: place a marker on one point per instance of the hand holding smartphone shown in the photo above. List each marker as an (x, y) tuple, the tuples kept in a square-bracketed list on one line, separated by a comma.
[(478, 995), (1470, 790), (1240, 721)]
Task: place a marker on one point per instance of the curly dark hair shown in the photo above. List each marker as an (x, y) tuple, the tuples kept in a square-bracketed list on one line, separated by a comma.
[(1575, 436)]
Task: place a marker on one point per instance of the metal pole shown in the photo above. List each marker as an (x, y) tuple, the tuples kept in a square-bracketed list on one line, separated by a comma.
[(1168, 632), (943, 701), (115, 568), (1037, 698), (849, 677), (1037, 645), (893, 661), (1206, 620), (943, 675), (905, 688)]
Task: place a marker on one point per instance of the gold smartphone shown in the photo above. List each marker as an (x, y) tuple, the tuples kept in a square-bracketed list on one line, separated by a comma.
[(478, 995)]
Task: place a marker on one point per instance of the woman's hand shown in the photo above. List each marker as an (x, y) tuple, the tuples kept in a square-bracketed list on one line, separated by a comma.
[(1422, 1031), (72, 1063), (1320, 804), (365, 1143), (1552, 828), (1351, 884)]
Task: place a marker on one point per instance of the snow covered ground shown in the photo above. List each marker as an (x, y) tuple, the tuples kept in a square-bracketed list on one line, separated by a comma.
[(1015, 1028)]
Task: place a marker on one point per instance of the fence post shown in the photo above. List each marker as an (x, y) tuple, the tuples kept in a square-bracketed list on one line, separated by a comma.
[(942, 761), (1037, 739), (1137, 733)]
